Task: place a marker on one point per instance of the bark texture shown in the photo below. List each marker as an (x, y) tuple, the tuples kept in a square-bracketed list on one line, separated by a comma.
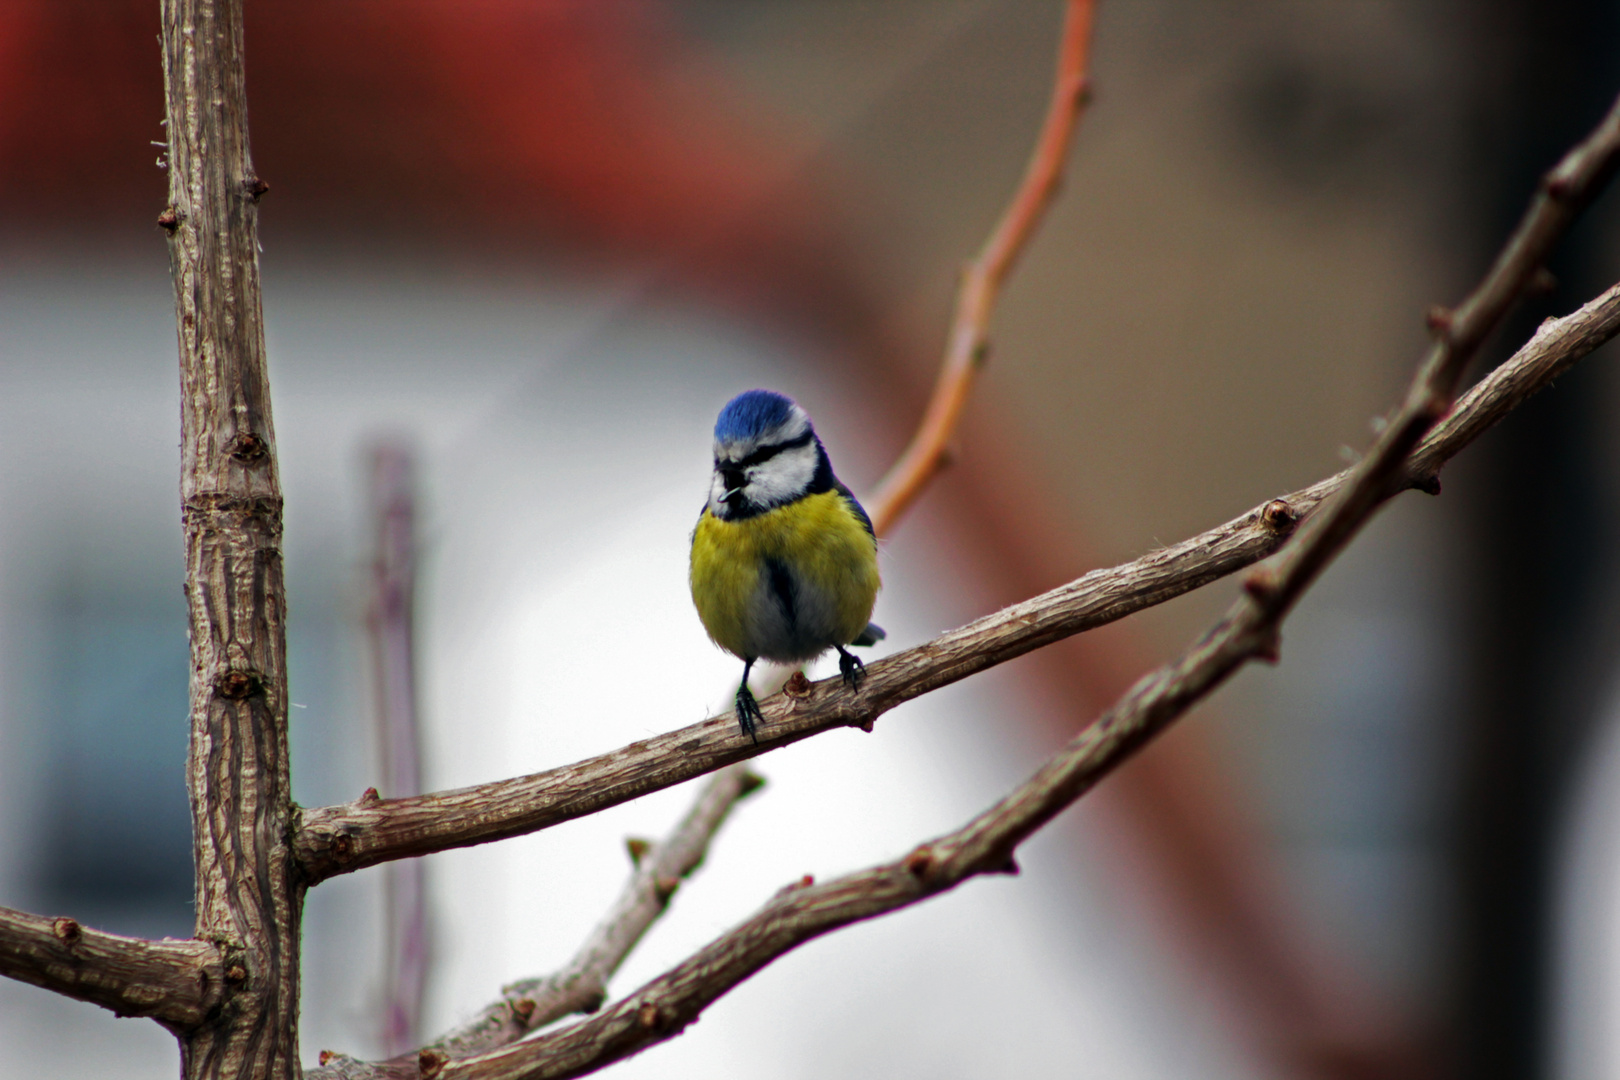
[(176, 983), (248, 896)]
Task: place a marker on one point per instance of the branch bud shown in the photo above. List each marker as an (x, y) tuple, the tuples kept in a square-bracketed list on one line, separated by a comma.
[(431, 1062)]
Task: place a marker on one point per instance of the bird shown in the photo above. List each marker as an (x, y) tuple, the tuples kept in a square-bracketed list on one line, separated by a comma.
[(784, 559)]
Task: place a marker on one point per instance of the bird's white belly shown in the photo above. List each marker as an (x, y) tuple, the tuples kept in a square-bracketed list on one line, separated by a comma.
[(791, 618)]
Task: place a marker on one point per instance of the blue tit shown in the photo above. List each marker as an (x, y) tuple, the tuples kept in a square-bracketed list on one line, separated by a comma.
[(784, 560)]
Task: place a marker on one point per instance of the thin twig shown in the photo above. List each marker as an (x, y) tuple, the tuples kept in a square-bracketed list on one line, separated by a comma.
[(339, 839), (581, 985), (393, 634), (967, 345), (177, 983)]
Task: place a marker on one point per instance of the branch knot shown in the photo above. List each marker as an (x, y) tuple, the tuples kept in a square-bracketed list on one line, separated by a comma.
[(248, 448), (239, 685), (1278, 517), (431, 1062), (920, 863)]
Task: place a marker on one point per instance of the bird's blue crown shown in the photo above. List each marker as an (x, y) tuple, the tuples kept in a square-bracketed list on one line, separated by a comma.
[(751, 414)]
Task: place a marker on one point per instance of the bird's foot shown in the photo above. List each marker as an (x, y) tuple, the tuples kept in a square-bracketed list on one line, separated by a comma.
[(749, 716), (851, 668)]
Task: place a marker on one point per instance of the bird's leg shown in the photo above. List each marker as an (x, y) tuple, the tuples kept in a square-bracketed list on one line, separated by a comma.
[(850, 667), (748, 711)]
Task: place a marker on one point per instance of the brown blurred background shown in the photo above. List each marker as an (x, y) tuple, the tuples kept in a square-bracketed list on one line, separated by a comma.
[(1357, 862)]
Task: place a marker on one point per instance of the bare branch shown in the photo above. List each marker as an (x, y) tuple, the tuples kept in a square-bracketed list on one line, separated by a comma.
[(176, 983), (1563, 194), (337, 839), (967, 344), (531, 1004), (581, 986), (248, 894), (662, 1008), (987, 844)]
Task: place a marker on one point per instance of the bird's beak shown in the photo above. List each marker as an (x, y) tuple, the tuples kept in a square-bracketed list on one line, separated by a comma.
[(734, 480)]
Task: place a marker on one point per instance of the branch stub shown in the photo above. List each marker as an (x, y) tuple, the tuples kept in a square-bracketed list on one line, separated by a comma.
[(797, 687)]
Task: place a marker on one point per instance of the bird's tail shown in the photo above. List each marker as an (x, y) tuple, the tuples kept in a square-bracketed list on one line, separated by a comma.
[(871, 635)]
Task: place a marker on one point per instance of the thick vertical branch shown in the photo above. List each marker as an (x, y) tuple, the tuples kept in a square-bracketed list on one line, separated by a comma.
[(393, 646), (248, 897)]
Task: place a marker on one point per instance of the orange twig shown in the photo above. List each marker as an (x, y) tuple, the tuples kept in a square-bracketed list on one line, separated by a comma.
[(968, 345)]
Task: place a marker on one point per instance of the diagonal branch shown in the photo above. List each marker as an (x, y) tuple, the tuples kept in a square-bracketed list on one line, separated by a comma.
[(986, 845), (338, 839), (581, 986), (176, 983), (967, 344)]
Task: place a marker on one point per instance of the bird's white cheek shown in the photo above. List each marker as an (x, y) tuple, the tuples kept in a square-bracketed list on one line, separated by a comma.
[(783, 478)]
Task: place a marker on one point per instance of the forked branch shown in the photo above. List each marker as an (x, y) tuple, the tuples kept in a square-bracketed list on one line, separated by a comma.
[(337, 839), (988, 843), (530, 1004)]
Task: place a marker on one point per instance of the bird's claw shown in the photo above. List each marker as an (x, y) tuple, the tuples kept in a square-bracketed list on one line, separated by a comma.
[(749, 715), (851, 668)]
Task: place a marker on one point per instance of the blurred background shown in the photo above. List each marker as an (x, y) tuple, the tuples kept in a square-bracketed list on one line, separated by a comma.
[(540, 243)]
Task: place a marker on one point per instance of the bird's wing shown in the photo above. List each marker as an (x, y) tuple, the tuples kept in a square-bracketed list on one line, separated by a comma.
[(855, 505)]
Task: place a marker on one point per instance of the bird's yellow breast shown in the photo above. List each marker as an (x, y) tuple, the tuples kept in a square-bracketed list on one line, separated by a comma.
[(819, 540)]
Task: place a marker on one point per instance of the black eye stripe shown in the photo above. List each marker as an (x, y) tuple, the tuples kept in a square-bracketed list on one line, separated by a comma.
[(765, 453)]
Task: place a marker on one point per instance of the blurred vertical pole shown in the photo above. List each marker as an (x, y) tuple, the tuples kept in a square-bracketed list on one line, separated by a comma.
[(392, 622), (1540, 528)]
